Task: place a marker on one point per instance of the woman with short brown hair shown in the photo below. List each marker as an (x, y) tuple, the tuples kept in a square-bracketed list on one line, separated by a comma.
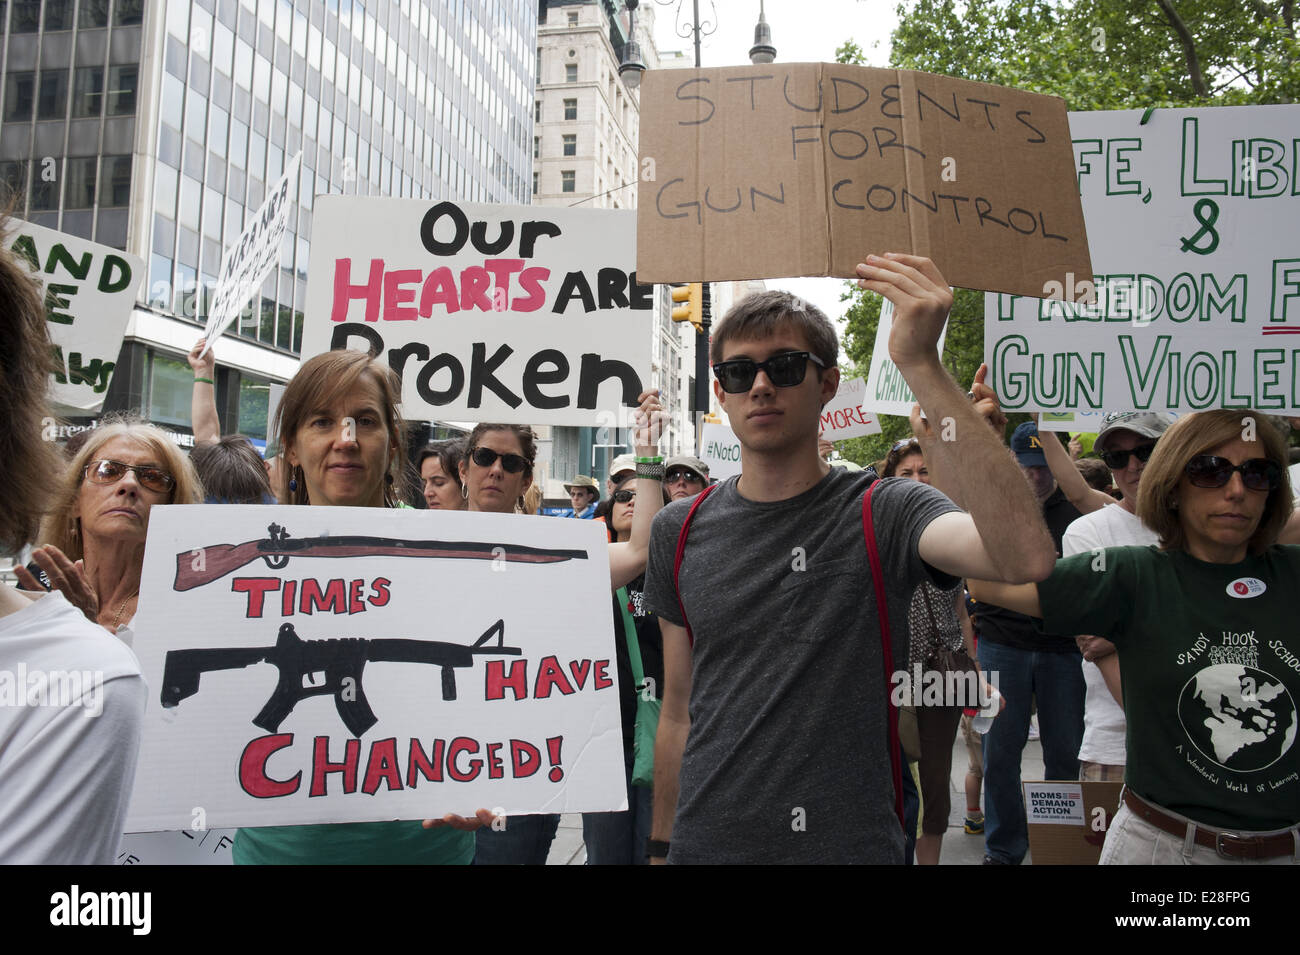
[(1204, 626)]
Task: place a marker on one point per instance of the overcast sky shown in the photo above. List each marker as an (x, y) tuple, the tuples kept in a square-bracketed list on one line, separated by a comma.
[(803, 31)]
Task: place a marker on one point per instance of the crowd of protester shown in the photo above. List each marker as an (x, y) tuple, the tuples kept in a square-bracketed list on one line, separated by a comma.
[(769, 612)]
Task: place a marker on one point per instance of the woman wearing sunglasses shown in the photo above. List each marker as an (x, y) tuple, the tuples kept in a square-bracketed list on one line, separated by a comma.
[(495, 473), (95, 530), (1204, 625)]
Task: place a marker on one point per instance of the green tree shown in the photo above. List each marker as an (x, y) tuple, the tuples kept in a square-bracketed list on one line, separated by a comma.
[(1094, 54)]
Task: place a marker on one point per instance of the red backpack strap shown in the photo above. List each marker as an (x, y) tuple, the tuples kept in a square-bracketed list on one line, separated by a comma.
[(886, 646), (677, 558)]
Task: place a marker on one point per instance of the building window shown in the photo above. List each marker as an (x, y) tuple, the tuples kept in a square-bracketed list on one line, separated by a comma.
[(121, 90), (571, 145), (568, 181), (20, 95), (570, 72), (128, 12), (94, 13), (570, 109), (13, 177), (58, 15), (116, 182), (80, 190), (539, 64), (52, 101), (537, 111), (26, 16), (534, 183), (88, 92), (573, 18), (537, 147)]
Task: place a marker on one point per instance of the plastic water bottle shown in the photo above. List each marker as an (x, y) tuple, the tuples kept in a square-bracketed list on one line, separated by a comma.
[(984, 718)]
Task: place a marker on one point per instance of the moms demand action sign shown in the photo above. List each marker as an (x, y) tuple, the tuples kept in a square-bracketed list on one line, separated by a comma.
[(363, 664), (486, 312)]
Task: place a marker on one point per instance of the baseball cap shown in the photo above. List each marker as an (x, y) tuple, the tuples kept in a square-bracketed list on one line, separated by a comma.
[(1145, 424), (690, 463), (1027, 446), (624, 462)]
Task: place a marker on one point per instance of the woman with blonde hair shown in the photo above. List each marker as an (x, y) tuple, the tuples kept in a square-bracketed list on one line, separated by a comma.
[(94, 532), (1204, 625)]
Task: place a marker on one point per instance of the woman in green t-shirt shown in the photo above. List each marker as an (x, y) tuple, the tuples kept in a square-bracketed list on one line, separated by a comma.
[(1205, 629), (342, 437)]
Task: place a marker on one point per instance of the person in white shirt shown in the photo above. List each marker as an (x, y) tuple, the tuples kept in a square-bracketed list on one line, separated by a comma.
[(1125, 442), (71, 696)]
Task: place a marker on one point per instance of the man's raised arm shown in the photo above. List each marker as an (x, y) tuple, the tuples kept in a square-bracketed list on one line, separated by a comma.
[(1003, 536)]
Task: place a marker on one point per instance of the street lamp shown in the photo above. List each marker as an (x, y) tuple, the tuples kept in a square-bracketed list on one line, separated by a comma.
[(762, 51), (632, 66)]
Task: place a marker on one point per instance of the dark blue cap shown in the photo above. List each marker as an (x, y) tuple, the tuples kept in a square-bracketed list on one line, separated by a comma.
[(1027, 446)]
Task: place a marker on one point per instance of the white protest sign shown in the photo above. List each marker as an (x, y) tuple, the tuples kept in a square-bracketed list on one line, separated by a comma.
[(1056, 803), (89, 294), (844, 416), (886, 391), (1075, 422), (720, 450), (247, 263), (183, 847), (362, 664), (1192, 221), (486, 312)]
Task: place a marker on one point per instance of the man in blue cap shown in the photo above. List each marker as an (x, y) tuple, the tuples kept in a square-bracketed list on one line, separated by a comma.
[(1023, 665)]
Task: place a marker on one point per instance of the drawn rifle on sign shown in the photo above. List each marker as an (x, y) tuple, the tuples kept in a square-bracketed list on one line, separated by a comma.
[(200, 566), (338, 660)]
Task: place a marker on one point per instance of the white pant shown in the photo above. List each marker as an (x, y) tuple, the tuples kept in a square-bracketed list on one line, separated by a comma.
[(1134, 841)]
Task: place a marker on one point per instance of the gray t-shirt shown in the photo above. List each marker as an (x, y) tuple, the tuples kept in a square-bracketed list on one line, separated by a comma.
[(787, 759)]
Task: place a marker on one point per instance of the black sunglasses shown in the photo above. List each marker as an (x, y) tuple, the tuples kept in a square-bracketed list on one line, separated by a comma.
[(1118, 460), (682, 474), (110, 472), (1209, 470), (486, 457), (624, 496), (784, 371)]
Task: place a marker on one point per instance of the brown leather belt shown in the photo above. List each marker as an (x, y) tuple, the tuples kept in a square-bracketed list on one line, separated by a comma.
[(1229, 845)]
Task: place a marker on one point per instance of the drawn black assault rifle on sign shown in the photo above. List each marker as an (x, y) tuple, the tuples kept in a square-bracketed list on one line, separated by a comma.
[(341, 661), (200, 566)]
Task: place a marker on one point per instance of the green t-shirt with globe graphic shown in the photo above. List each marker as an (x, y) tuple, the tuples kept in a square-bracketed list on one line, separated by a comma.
[(1210, 661)]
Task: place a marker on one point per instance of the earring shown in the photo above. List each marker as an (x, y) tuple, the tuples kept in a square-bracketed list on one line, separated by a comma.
[(293, 484), (464, 491)]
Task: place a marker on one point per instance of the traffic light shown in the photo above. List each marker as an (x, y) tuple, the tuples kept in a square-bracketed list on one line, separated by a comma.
[(692, 308)]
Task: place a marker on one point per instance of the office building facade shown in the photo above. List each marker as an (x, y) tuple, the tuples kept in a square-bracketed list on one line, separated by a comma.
[(159, 128)]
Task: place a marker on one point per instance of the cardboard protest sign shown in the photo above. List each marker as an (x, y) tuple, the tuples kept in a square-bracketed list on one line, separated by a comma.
[(1068, 821), (886, 391), (844, 416), (183, 847), (1192, 216), (486, 312), (246, 264), (360, 664), (720, 450), (803, 169), (89, 294)]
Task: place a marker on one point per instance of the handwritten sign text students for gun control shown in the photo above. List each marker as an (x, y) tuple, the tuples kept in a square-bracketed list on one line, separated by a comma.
[(89, 294), (486, 312), (1193, 215), (803, 169), (353, 665)]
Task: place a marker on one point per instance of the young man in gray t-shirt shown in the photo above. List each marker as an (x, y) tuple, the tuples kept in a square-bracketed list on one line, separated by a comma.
[(772, 743)]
